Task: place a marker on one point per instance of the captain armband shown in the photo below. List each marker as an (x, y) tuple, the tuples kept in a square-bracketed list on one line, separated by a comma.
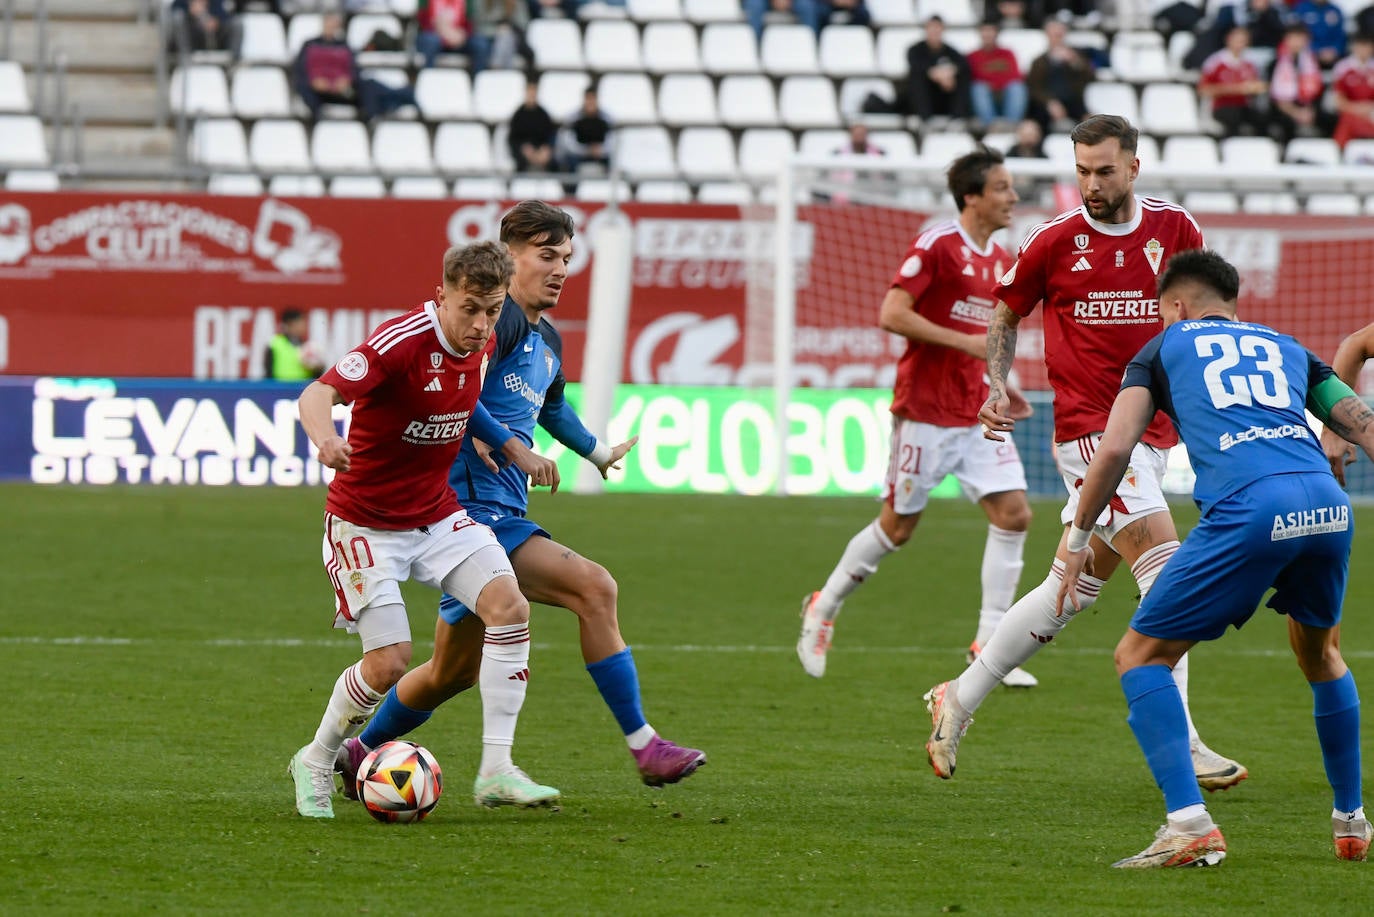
[(1326, 395)]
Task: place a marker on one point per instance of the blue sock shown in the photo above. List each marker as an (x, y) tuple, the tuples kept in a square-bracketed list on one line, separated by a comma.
[(1160, 727), (392, 720), (618, 681), (1336, 708)]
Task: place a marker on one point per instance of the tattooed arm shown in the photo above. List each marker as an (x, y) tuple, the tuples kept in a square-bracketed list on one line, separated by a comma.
[(1350, 357), (1353, 420), (995, 415)]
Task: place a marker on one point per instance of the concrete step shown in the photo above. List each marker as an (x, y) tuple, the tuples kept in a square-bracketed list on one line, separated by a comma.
[(90, 45), (141, 145), (88, 9), (110, 98)]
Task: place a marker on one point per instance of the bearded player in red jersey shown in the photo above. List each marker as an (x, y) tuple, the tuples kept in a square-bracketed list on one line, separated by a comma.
[(941, 300), (1094, 268), (390, 515)]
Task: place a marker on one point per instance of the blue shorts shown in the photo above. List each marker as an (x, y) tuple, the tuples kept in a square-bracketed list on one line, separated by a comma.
[(1290, 531), (511, 531)]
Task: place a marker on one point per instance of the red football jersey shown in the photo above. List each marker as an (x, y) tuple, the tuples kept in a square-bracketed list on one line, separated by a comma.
[(1097, 283), (954, 285), (1222, 68), (1354, 80), (412, 395)]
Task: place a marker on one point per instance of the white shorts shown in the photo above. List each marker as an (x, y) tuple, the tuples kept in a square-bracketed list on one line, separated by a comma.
[(922, 454), (1140, 493), (366, 566)]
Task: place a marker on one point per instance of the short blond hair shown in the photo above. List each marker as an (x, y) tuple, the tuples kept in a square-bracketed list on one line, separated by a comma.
[(482, 267)]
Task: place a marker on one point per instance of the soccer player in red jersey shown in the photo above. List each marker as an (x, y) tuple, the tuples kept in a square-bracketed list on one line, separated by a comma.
[(941, 299), (390, 514), (1094, 269)]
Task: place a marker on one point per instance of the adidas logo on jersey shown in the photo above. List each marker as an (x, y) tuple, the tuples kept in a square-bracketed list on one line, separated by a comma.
[(434, 385), (1081, 265)]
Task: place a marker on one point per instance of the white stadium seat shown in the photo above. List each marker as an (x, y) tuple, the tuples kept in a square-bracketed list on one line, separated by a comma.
[(762, 148), (561, 92), (500, 149), (1336, 205), (1197, 151), (480, 188), (645, 152), (892, 12), (848, 50), (309, 185), (260, 92), (1059, 148), (302, 28), (340, 146), (219, 143), (496, 94), (463, 147), (1169, 108), (1211, 202), (856, 89), (651, 10), (1147, 151), (704, 11), (32, 180), (556, 43), (1321, 151), (534, 187), (240, 184), (670, 47), (821, 142), (602, 189), (627, 98), (1280, 202), (200, 89), (705, 153), (428, 187), (278, 145), (808, 101), (1112, 99), (14, 92), (1250, 153), (687, 98), (953, 12), (789, 49), (1026, 44), (612, 45), (357, 186), (893, 43), (1359, 152), (897, 144), (943, 148), (745, 101), (362, 26), (1139, 57), (264, 40), (729, 47), (402, 147), (664, 192), (444, 94), (725, 192)]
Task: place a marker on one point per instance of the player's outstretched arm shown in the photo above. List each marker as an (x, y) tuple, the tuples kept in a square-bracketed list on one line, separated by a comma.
[(316, 407), (607, 457), (996, 414), (1350, 358), (898, 315), (1353, 420)]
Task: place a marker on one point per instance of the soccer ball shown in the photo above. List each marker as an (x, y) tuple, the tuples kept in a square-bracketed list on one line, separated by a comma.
[(399, 781)]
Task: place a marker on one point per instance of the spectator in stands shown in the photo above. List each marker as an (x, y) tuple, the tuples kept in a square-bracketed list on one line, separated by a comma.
[(841, 12), (840, 184), (327, 72), (858, 143), (1030, 141), (557, 9), (1352, 84), (1232, 81), (502, 24), (1057, 80), (532, 134), (205, 25), (444, 27), (586, 138), (1262, 18), (1296, 87), (937, 81), (1325, 23), (1011, 14), (761, 12), (996, 88)]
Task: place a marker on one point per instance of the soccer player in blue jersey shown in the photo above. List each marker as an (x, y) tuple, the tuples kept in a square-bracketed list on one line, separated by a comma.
[(524, 386), (1273, 516)]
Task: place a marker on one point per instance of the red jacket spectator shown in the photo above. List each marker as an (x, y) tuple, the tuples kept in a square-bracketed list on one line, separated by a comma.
[(1353, 83), (1232, 81), (995, 66)]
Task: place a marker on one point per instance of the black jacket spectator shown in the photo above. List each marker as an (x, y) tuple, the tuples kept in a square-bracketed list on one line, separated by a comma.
[(937, 77), (532, 134)]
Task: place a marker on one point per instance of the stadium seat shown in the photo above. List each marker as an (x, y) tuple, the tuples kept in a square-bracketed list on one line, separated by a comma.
[(808, 101), (14, 92), (536, 187), (745, 101), (264, 40), (789, 49), (240, 184), (560, 92), (729, 47), (891, 12), (200, 89), (670, 47), (296, 186), (260, 92), (428, 187), (893, 43), (1249, 153), (496, 94), (627, 98), (279, 145), (591, 10), (705, 11), (652, 10), (1112, 99), (821, 142), (32, 180), (1280, 202), (302, 28), (725, 192), (706, 153), (340, 146), (761, 149), (219, 143), (1320, 151), (361, 28), (962, 40), (955, 13), (1211, 202), (556, 43), (1169, 108), (1195, 151), (463, 148), (444, 94), (402, 146), (1358, 152), (1336, 205), (601, 189), (687, 98), (1026, 44), (357, 186), (854, 90), (664, 192), (405, 9), (847, 50), (1139, 57), (1147, 151), (898, 145), (1059, 148), (645, 152), (612, 45), (944, 148), (483, 188), (1180, 44), (500, 149)]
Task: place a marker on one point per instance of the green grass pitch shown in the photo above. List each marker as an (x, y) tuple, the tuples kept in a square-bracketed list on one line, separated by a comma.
[(164, 651)]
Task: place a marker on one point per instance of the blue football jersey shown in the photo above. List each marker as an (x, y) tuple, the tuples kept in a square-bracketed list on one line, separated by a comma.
[(1237, 393), (524, 386)]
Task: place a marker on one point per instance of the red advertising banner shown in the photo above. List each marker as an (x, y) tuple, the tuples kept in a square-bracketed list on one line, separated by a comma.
[(189, 286)]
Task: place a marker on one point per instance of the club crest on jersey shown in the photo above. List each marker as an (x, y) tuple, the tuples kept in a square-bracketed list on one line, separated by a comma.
[(355, 579), (1120, 258), (1080, 242), (1130, 477), (436, 359), (352, 366), (462, 379), (1154, 253), (910, 267)]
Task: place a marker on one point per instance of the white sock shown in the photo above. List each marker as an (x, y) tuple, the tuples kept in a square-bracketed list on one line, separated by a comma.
[(350, 704), (1347, 816), (1028, 625), (641, 737), (504, 678), (1194, 819), (1146, 570), (1001, 573), (858, 563)]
